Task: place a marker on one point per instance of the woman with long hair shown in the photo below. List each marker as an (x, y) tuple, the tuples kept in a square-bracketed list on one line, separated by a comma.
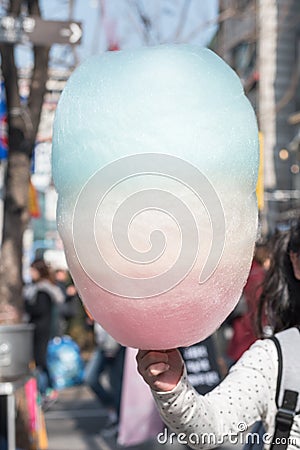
[(279, 305)]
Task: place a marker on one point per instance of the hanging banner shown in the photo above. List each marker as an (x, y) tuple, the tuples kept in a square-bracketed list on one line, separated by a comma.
[(3, 123), (33, 202)]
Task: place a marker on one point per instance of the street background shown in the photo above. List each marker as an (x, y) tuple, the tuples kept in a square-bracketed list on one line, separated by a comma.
[(75, 422), (76, 419)]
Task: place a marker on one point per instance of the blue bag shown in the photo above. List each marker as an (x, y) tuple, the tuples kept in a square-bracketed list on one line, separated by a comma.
[(64, 361)]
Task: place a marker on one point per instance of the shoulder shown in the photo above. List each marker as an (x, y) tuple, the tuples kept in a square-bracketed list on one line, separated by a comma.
[(29, 291), (261, 348), (262, 358), (53, 291)]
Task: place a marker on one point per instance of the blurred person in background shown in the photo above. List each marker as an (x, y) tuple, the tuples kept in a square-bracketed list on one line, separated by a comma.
[(107, 359), (243, 319), (69, 308), (279, 306), (42, 301)]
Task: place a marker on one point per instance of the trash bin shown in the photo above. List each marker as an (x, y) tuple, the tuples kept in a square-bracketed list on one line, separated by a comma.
[(16, 350)]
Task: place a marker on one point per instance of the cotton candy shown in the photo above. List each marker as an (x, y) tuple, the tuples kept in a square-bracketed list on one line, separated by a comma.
[(155, 159)]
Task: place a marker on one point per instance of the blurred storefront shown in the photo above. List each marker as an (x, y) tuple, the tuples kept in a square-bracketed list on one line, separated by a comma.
[(43, 229)]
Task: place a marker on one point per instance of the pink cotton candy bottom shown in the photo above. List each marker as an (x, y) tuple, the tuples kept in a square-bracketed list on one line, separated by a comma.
[(186, 314)]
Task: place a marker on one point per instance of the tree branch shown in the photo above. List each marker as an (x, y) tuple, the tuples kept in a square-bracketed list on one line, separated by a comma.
[(14, 7), (38, 87), (182, 19), (146, 22), (33, 8)]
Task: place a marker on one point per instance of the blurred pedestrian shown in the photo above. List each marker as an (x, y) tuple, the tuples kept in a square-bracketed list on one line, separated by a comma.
[(279, 306), (69, 307), (243, 318), (42, 299), (107, 359)]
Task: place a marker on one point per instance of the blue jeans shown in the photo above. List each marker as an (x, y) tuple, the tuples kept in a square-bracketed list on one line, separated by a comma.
[(114, 368), (42, 380)]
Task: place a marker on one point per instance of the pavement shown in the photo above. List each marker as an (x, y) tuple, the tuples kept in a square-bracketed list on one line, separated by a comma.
[(76, 422)]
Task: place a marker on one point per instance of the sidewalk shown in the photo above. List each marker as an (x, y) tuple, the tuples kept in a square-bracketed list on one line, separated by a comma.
[(75, 421)]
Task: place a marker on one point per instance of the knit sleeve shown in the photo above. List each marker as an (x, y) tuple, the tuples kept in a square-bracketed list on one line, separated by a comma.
[(243, 397)]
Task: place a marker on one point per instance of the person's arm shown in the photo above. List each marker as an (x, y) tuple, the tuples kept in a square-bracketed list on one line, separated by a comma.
[(204, 421)]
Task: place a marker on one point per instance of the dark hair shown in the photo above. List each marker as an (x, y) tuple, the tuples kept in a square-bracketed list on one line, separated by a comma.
[(294, 243), (279, 304), (42, 268)]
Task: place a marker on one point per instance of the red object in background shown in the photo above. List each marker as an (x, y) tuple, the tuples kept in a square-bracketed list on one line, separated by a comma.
[(244, 326), (113, 47), (110, 27), (3, 123), (3, 132)]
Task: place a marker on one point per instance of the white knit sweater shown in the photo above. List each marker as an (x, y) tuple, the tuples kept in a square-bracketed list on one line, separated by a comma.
[(246, 395)]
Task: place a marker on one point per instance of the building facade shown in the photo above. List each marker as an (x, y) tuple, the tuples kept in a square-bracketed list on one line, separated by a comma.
[(260, 39)]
